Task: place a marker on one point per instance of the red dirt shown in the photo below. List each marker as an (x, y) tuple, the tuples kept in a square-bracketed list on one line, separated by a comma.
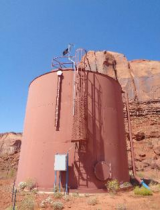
[(120, 201)]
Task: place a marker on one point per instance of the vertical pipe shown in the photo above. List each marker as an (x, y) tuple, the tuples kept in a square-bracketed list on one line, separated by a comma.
[(13, 190), (74, 87), (67, 176), (132, 149), (14, 202), (130, 135), (59, 181), (55, 181)]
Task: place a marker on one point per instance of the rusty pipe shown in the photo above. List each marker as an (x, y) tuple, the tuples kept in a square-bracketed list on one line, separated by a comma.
[(130, 135), (131, 143)]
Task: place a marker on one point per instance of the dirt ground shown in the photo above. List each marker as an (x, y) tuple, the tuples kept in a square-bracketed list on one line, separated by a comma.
[(120, 201)]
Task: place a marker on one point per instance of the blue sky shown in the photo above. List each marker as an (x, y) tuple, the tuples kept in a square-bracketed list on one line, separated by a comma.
[(34, 31)]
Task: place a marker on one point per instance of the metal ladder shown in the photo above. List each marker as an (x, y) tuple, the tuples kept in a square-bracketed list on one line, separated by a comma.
[(80, 99), (82, 173), (57, 108)]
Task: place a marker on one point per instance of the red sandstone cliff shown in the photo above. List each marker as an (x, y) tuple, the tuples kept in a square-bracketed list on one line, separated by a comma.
[(10, 144), (140, 78)]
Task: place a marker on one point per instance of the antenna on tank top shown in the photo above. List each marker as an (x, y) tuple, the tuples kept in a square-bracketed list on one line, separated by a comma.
[(72, 59)]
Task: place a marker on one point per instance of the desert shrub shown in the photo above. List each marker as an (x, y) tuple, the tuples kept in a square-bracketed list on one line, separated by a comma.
[(58, 195), (56, 188), (34, 191), (43, 204), (121, 207), (142, 191), (112, 186), (22, 185), (155, 187), (125, 184), (30, 184), (66, 198), (11, 173), (93, 201), (76, 194), (57, 205), (49, 200), (27, 203)]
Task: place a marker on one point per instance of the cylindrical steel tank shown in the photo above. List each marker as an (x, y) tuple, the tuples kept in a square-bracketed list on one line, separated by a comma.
[(92, 161)]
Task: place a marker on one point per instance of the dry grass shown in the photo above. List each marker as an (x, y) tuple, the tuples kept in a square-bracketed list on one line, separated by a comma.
[(92, 201)]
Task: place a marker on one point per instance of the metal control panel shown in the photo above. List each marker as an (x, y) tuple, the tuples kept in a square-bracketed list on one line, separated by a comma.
[(60, 163)]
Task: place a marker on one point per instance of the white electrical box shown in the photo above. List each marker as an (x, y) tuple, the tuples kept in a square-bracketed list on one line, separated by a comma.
[(60, 163)]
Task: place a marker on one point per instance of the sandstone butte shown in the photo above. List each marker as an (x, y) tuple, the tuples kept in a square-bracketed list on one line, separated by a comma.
[(141, 79)]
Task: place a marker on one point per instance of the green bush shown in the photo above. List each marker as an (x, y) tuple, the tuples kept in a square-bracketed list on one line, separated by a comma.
[(142, 191), (112, 186), (57, 205)]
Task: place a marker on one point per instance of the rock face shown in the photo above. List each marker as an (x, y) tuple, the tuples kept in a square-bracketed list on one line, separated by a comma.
[(145, 121), (139, 78), (10, 143)]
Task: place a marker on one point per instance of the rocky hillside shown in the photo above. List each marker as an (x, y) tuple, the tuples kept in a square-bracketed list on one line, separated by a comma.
[(10, 144)]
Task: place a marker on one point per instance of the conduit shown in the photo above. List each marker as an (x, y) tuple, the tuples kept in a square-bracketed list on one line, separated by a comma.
[(131, 145)]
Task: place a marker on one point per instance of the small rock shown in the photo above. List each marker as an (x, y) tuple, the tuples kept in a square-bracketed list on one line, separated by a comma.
[(140, 136), (142, 155)]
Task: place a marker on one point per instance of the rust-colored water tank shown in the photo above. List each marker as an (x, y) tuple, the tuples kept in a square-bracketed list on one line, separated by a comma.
[(93, 158)]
